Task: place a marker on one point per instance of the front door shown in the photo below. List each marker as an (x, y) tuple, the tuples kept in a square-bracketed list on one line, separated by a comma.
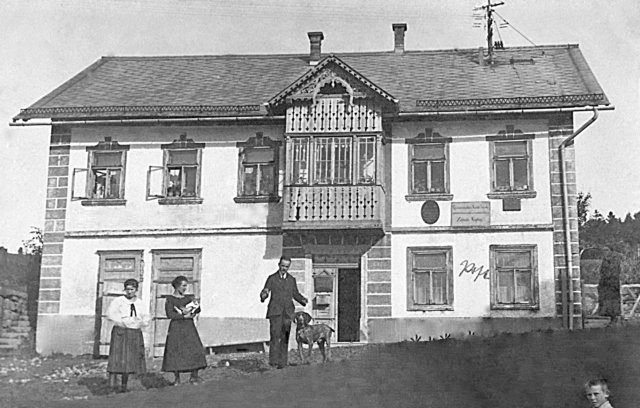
[(167, 265), (115, 268), (336, 300), (348, 304)]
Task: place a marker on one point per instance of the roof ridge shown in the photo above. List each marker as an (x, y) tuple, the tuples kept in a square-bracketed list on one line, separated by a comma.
[(336, 53)]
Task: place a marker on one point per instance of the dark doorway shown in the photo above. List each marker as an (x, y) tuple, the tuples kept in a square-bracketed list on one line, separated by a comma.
[(348, 304)]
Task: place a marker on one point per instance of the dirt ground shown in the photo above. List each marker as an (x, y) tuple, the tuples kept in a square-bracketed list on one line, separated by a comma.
[(538, 369)]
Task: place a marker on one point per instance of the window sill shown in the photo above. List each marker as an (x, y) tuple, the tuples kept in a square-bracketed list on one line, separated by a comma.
[(256, 199), (429, 196), (499, 195), (179, 201), (99, 202), (429, 308), (514, 307)]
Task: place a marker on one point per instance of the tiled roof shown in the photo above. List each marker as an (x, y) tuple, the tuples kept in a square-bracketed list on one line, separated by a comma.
[(241, 85)]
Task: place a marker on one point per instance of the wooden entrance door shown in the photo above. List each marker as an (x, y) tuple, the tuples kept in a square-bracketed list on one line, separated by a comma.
[(336, 300), (167, 265), (115, 268)]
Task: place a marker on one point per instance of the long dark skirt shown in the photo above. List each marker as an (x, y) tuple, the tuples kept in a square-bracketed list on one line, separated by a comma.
[(126, 352), (183, 350)]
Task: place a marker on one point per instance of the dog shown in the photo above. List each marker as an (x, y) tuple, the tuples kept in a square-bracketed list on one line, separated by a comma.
[(312, 333)]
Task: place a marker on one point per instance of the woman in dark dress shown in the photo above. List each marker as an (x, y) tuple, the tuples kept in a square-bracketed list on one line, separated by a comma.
[(183, 351)]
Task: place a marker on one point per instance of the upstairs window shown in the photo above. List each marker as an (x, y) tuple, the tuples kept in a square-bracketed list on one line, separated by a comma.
[(429, 167), (300, 161), (366, 160), (514, 277), (178, 180), (107, 172), (182, 171), (258, 170), (335, 160), (511, 164), (102, 183)]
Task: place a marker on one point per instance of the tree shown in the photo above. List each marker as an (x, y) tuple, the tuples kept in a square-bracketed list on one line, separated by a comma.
[(584, 202), (33, 245), (612, 219), (598, 216), (622, 236)]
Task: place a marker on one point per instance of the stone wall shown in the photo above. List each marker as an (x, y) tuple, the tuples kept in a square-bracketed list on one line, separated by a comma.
[(21, 273), (15, 330)]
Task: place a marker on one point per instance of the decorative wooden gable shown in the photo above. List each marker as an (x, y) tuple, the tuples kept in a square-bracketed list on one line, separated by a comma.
[(333, 98)]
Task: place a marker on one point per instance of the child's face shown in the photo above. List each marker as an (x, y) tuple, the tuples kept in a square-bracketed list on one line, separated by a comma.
[(596, 395)]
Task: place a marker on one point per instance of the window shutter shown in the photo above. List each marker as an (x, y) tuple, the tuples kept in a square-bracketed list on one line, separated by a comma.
[(79, 184), (155, 182)]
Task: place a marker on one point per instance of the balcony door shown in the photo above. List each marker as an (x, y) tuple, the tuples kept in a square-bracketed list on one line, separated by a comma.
[(333, 161)]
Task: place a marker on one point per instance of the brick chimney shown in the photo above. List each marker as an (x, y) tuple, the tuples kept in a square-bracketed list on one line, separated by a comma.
[(398, 34), (315, 41)]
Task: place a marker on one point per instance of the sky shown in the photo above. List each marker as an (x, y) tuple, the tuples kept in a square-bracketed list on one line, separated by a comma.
[(45, 42)]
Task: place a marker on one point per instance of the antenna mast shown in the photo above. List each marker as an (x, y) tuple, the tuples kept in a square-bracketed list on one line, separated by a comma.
[(489, 10)]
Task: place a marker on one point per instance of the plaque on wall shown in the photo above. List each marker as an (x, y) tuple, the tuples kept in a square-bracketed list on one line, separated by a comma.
[(430, 212), (511, 204), (471, 214)]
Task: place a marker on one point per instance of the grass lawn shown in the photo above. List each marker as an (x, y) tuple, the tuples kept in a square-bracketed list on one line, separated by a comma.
[(539, 369)]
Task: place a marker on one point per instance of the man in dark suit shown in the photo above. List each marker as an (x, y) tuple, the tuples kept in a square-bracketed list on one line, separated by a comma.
[(283, 289)]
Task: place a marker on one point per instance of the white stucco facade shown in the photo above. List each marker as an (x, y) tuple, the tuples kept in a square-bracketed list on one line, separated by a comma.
[(240, 243)]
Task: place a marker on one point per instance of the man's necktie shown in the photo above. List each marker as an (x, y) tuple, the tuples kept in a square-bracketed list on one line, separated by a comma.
[(133, 311)]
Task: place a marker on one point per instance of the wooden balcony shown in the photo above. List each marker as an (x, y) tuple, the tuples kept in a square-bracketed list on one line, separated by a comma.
[(333, 207)]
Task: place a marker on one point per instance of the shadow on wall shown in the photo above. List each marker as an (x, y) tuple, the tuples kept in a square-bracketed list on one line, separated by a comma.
[(273, 247)]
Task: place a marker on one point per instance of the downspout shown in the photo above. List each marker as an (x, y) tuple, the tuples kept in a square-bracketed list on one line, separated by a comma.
[(567, 277)]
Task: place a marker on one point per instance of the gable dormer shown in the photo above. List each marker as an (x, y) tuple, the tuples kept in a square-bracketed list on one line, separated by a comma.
[(332, 97)]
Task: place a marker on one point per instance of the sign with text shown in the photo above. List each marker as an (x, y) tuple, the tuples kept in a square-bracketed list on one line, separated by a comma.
[(471, 214)]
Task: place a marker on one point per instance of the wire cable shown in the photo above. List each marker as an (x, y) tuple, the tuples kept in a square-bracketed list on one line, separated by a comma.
[(516, 30)]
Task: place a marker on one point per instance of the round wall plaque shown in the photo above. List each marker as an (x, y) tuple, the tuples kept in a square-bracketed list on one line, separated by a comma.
[(430, 212)]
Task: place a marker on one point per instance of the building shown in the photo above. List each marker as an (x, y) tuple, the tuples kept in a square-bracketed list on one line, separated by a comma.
[(418, 192)]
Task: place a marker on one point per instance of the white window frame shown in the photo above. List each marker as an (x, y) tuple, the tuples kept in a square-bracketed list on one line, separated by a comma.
[(83, 183), (412, 172), (496, 302), (182, 144), (495, 158), (92, 177), (168, 167), (257, 143), (412, 305)]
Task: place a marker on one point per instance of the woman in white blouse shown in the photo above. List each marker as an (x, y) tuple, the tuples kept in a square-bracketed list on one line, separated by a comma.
[(126, 350)]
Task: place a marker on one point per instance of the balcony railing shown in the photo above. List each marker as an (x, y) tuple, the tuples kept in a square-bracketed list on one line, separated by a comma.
[(333, 206)]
